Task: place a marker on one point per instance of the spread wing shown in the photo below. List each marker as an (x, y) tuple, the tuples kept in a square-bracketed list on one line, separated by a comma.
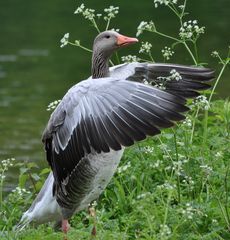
[(174, 78), (102, 114)]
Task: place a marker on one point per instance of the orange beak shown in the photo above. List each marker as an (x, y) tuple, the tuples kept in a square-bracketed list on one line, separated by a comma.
[(123, 40)]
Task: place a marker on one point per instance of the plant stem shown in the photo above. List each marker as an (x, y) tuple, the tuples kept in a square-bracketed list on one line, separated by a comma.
[(167, 36), (190, 52), (194, 123), (217, 80), (80, 46), (107, 25), (178, 178), (95, 25), (226, 194)]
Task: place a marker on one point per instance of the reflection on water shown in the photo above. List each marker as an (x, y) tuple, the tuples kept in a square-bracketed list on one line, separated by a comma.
[(8, 58), (33, 52), (35, 71)]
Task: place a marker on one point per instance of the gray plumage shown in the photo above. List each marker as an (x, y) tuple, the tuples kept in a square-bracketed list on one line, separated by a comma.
[(86, 134)]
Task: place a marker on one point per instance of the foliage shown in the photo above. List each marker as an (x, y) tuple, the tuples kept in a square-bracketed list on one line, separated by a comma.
[(173, 186)]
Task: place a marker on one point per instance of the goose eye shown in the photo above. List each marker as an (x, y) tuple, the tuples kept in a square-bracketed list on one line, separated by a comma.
[(107, 36)]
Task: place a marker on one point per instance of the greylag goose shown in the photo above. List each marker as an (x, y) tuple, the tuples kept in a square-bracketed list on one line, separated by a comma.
[(98, 117)]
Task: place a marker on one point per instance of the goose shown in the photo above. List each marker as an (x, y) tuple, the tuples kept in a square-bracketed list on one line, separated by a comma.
[(99, 117)]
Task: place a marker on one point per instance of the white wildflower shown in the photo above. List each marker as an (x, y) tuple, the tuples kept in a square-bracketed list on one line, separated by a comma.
[(164, 2), (143, 195), (157, 164), (145, 26), (145, 47), (165, 231), (53, 105), (98, 15), (145, 81), (167, 53), (214, 54), (219, 155), (87, 13), (148, 149), (188, 211), (187, 122), (202, 102), (64, 41), (115, 29), (174, 75), (167, 186), (80, 9), (111, 12), (124, 168), (190, 29), (130, 58), (20, 191)]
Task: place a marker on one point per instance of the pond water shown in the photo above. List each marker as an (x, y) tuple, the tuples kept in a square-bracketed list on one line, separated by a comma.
[(34, 70)]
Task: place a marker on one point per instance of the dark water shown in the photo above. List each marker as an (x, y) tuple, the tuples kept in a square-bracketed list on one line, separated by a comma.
[(34, 70)]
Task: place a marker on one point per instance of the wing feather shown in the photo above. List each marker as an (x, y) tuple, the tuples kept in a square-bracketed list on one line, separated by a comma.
[(102, 114)]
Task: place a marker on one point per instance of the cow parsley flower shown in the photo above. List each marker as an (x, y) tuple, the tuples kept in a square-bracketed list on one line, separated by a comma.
[(187, 122), (165, 231), (215, 54), (130, 58), (87, 13), (167, 53), (64, 41), (145, 47), (53, 105), (80, 9), (111, 12), (188, 211), (164, 2), (145, 26), (143, 195), (202, 102), (190, 29), (4, 166), (123, 168)]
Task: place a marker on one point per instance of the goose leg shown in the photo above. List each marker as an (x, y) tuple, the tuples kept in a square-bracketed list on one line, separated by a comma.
[(65, 227), (92, 213)]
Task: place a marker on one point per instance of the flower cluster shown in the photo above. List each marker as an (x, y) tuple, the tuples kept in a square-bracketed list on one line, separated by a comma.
[(148, 149), (111, 12), (124, 168), (53, 105), (145, 26), (187, 122), (20, 191), (143, 195), (165, 231), (166, 186), (64, 41), (215, 54), (130, 58), (190, 29), (4, 166), (157, 164), (165, 2), (167, 53), (174, 75), (161, 81), (87, 13), (145, 47), (188, 211), (201, 102)]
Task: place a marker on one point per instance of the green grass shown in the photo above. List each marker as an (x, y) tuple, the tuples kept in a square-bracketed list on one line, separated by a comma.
[(172, 186)]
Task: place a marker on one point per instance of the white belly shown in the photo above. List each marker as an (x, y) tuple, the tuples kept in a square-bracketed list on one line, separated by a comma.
[(105, 164)]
